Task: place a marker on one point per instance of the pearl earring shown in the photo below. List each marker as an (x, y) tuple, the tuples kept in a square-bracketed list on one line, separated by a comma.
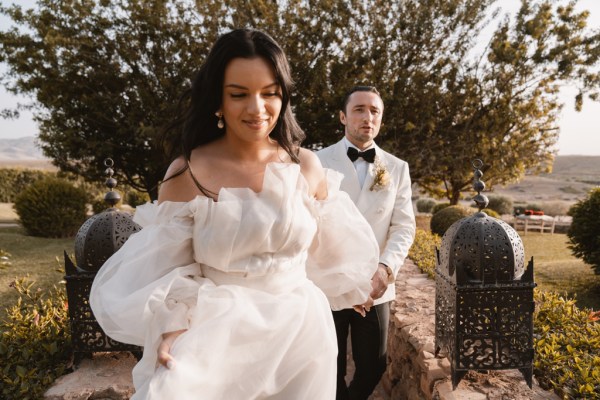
[(220, 123)]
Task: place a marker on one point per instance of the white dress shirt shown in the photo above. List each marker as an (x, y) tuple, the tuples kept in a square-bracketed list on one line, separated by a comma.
[(361, 166)]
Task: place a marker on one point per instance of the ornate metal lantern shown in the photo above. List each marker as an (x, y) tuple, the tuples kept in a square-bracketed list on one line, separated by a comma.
[(97, 239), (484, 295)]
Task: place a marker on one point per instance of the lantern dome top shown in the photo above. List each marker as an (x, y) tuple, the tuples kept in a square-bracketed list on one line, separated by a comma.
[(103, 234), (481, 250)]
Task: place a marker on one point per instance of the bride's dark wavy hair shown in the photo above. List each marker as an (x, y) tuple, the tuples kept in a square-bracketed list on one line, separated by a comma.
[(197, 121)]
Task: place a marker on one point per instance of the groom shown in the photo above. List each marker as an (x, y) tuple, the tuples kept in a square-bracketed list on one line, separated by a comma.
[(379, 184)]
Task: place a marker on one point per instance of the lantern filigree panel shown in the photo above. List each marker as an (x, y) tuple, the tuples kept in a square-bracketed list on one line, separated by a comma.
[(86, 335), (496, 329)]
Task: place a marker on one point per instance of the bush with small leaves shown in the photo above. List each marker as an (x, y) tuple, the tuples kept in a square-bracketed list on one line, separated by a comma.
[(136, 198), (425, 205), (422, 251), (566, 343), (500, 204), (439, 206), (584, 232), (51, 207), (443, 219), (35, 345)]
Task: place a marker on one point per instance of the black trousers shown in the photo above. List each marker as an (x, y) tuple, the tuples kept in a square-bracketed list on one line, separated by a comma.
[(369, 345)]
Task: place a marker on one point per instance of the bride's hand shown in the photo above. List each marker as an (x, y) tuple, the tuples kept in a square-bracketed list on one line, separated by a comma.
[(362, 309), (164, 356)]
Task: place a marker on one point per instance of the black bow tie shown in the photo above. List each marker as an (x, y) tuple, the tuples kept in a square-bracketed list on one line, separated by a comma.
[(367, 155)]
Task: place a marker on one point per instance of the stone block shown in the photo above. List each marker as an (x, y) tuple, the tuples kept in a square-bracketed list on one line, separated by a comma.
[(444, 363), (106, 376), (426, 354), (443, 391)]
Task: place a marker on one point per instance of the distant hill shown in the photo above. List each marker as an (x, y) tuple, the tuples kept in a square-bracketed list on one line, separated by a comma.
[(24, 148), (577, 167), (22, 152), (571, 179)]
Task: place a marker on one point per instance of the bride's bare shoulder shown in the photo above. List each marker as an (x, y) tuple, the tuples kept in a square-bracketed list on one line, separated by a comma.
[(313, 172), (177, 184)]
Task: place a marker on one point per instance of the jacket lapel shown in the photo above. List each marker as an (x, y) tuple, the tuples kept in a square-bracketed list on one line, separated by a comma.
[(340, 162)]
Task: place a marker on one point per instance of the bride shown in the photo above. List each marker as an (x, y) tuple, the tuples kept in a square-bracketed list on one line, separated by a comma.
[(230, 283)]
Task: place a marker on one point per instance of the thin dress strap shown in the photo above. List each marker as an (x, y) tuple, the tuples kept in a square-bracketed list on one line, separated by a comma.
[(201, 188)]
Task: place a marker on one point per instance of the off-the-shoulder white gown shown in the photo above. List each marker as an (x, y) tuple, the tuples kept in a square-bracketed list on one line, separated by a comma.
[(252, 276)]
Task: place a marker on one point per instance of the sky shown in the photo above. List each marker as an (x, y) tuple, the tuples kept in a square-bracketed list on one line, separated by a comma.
[(579, 131)]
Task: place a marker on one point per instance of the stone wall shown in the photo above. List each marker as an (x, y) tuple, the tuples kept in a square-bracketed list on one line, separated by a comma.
[(415, 373)]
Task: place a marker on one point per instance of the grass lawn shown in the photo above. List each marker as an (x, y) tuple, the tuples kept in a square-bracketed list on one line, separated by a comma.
[(30, 255), (555, 268)]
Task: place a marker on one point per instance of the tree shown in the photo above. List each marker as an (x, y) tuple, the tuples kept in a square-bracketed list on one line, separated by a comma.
[(444, 107), (106, 77), (503, 108), (584, 240)]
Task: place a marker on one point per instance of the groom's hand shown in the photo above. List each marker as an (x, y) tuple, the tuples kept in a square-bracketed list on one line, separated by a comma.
[(379, 282)]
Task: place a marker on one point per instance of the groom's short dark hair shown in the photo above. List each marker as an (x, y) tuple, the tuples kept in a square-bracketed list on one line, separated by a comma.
[(359, 88)]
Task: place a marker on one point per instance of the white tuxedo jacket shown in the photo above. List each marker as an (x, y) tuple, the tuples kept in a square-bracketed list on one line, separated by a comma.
[(388, 210)]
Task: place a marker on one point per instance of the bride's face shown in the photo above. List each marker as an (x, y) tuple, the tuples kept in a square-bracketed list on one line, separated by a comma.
[(251, 99)]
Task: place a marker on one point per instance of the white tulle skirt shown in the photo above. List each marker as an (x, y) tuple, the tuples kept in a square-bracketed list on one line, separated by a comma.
[(235, 349)]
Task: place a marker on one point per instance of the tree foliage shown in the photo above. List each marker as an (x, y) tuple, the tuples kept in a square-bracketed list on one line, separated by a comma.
[(106, 77), (584, 232)]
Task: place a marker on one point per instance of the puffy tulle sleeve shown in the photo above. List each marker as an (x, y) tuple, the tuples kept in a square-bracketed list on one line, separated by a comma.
[(149, 286), (344, 254)]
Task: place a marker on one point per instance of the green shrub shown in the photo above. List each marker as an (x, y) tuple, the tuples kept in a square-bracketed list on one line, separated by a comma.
[(439, 206), (14, 180), (51, 207), (425, 205), (567, 347), (500, 204), (34, 343), (422, 251), (584, 233), (443, 219), (136, 198)]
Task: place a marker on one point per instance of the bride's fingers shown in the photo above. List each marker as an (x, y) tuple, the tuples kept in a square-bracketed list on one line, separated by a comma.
[(360, 309), (164, 357)]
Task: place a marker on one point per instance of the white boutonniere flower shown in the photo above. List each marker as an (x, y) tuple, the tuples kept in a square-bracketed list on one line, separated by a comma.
[(382, 176)]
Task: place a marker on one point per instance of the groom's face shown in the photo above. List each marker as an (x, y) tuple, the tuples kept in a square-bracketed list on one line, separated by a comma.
[(362, 118)]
